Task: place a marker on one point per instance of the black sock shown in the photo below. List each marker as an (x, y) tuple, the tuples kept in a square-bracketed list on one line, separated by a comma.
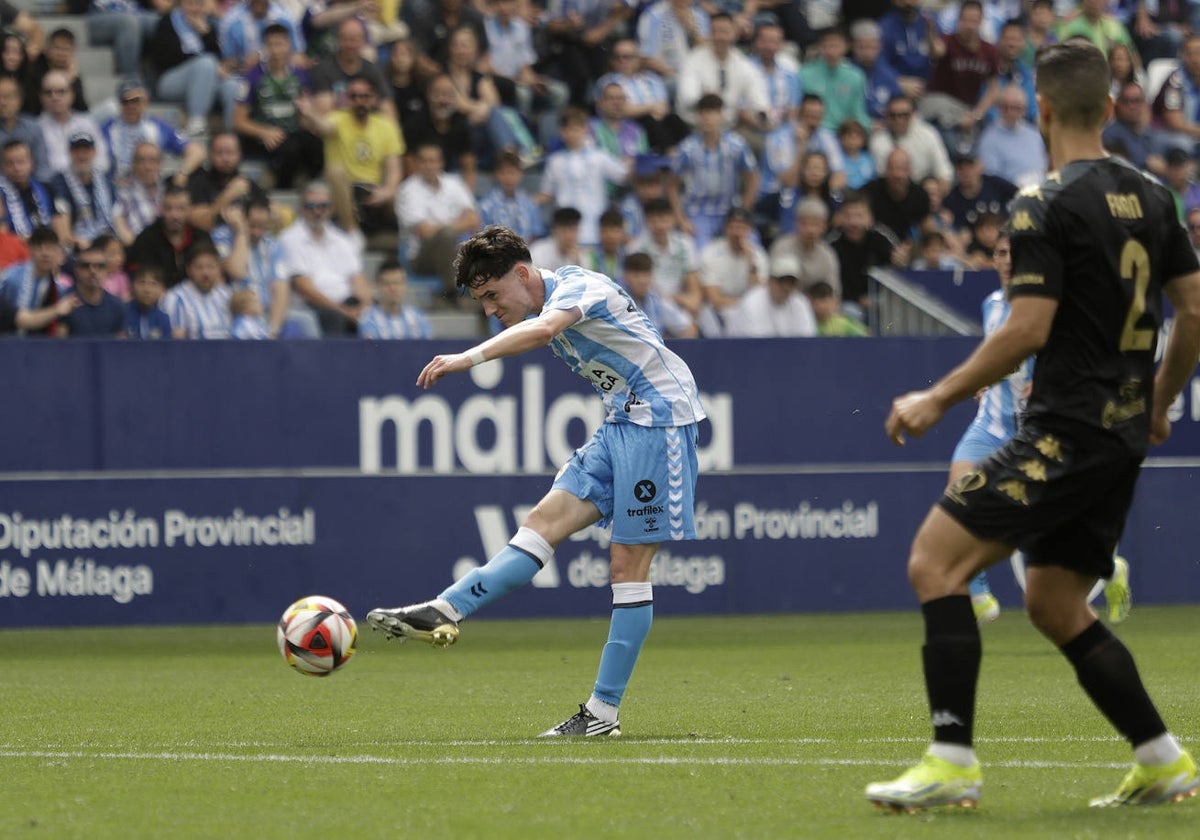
[(1107, 672), (951, 656)]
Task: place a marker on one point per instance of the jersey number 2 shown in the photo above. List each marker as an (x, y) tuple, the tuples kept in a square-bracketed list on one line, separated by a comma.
[(1135, 266)]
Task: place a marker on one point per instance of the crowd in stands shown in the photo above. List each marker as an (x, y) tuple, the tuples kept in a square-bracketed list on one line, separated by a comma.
[(739, 166)]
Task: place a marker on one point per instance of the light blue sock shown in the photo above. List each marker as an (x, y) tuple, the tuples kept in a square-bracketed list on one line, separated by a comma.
[(511, 568), (979, 585), (633, 613)]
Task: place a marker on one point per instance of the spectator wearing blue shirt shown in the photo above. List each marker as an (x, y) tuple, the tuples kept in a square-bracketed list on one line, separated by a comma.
[(133, 125), (391, 317), (17, 126), (36, 283), (252, 258), (1013, 71), (974, 193), (1129, 134), (100, 314), (910, 43), (246, 310), (718, 171), (1011, 147), (883, 83), (146, 320), (508, 204), (240, 32)]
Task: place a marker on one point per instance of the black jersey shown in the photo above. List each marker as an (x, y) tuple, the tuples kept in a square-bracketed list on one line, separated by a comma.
[(1102, 238)]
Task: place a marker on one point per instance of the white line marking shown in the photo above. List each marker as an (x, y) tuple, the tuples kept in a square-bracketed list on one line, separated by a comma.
[(555, 743), (181, 757)]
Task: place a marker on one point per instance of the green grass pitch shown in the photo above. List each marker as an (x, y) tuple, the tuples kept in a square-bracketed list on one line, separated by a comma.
[(758, 727)]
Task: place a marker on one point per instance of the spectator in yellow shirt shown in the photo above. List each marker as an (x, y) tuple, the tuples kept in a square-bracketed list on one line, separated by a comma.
[(363, 149)]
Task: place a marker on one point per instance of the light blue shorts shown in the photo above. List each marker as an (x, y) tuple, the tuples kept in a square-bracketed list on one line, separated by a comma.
[(976, 444), (642, 480)]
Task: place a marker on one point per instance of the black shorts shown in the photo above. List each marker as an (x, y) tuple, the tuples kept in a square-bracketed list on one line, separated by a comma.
[(1060, 496)]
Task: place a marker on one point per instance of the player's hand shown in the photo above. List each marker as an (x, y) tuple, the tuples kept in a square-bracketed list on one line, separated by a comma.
[(1160, 427), (442, 365), (913, 414)]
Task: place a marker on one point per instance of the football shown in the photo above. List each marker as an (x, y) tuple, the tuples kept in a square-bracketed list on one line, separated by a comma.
[(316, 635)]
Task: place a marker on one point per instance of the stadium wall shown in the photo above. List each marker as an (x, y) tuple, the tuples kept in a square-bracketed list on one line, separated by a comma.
[(216, 482)]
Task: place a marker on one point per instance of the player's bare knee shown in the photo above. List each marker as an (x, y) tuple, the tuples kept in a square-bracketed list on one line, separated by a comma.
[(1055, 619)]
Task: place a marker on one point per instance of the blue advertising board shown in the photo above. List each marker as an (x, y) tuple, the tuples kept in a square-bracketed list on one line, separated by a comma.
[(216, 482)]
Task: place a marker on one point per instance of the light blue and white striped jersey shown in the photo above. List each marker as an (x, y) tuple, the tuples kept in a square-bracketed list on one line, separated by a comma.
[(660, 34), (239, 33), (201, 315), (642, 88), (784, 88), (264, 268), (1003, 402), (711, 176), (518, 213), (23, 290), (249, 328), (616, 348), (409, 322)]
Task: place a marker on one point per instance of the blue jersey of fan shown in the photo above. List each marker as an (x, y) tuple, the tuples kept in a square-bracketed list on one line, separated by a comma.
[(999, 409), (616, 348)]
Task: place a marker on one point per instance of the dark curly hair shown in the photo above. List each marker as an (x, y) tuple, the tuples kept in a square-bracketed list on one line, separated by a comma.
[(489, 254)]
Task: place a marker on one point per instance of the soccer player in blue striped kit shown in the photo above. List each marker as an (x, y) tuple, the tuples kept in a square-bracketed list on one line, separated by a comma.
[(638, 472)]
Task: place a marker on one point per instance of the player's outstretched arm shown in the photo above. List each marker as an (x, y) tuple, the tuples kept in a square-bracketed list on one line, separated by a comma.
[(1022, 335), (517, 339), (1180, 354)]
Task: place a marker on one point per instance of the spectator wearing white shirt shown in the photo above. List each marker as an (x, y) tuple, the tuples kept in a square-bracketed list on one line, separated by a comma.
[(719, 67), (775, 309), (59, 122), (579, 174), (903, 127), (435, 209), (324, 265), (561, 247), (666, 32), (730, 266), (676, 267), (780, 73), (668, 318), (814, 261)]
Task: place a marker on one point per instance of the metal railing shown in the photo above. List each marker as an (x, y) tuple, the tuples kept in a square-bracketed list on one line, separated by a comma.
[(899, 307)]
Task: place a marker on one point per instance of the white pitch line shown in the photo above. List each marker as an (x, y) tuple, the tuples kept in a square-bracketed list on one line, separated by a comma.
[(205, 757), (551, 743)]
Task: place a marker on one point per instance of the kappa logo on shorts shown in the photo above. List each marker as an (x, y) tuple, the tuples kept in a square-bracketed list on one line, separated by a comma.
[(1050, 447), (645, 490), (1034, 469), (966, 483), (1015, 490)]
